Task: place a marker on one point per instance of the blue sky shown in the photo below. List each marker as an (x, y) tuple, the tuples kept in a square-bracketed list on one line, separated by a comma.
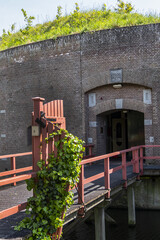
[(44, 10)]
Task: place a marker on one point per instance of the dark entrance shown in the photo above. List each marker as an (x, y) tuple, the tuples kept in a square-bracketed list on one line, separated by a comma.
[(119, 130)]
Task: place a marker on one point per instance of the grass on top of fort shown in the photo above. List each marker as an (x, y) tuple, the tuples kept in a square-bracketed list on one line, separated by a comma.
[(76, 22)]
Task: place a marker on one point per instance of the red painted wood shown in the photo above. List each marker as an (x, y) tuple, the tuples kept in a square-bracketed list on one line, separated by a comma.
[(129, 164), (48, 109), (50, 142), (13, 167), (55, 108), (152, 146), (112, 170), (93, 178), (20, 170), (141, 160), (61, 108), (38, 107), (90, 150), (107, 176), (15, 155), (124, 169), (52, 109), (129, 149), (17, 178), (44, 109), (137, 161), (12, 210), (44, 144), (81, 186), (58, 108), (89, 145), (94, 159), (133, 161)]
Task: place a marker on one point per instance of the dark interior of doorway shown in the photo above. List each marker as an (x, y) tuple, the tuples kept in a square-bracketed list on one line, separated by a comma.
[(119, 130)]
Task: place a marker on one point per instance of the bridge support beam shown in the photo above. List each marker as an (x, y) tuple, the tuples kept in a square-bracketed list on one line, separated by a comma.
[(99, 215), (131, 207)]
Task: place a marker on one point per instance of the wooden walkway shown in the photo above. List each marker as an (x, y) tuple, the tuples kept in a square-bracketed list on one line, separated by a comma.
[(94, 194)]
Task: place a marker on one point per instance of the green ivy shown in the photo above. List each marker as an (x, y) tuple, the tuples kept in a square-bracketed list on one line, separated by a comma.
[(50, 196)]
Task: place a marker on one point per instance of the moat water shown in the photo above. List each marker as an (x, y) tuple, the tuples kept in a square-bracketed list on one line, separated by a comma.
[(147, 227)]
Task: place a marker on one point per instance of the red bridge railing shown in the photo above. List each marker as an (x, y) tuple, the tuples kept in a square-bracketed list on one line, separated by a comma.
[(10, 177), (136, 161), (14, 179)]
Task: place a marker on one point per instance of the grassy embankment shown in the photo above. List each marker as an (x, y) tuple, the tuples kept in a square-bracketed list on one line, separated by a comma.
[(76, 22)]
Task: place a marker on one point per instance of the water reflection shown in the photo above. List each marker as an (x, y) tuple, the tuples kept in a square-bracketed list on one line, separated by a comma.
[(147, 227)]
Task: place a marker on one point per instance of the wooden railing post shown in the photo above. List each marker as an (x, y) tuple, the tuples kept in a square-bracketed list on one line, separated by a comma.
[(90, 151), (141, 160), (124, 169), (137, 160), (44, 144), (13, 167), (38, 107), (81, 192), (107, 176), (133, 161), (81, 186)]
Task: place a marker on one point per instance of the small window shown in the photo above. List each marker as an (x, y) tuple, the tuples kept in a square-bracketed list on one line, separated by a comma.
[(92, 99), (147, 96)]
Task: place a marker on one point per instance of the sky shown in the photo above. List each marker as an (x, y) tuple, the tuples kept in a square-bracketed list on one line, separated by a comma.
[(45, 10)]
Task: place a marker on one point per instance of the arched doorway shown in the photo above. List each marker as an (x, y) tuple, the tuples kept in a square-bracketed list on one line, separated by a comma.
[(119, 129)]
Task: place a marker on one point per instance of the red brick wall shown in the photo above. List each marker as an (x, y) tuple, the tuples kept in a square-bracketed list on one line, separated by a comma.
[(69, 68)]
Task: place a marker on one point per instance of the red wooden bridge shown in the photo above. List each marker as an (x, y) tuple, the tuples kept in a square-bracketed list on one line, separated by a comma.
[(101, 176)]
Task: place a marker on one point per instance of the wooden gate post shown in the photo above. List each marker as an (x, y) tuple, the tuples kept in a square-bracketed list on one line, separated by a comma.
[(38, 107)]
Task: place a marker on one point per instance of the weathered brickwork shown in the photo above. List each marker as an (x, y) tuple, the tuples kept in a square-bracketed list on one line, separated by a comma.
[(132, 96), (70, 68)]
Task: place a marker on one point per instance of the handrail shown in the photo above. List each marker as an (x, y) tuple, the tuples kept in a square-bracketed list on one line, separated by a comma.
[(17, 178), (136, 162), (16, 155), (101, 157), (13, 170), (20, 170)]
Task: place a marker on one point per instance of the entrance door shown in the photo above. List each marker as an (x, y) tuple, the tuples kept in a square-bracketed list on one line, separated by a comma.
[(118, 134)]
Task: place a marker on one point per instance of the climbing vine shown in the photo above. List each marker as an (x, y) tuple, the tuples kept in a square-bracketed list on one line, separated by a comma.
[(51, 197)]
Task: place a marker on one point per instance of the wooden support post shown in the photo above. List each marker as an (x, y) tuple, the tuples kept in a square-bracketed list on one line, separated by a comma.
[(141, 160), (38, 107), (131, 207), (99, 214), (13, 167), (107, 176), (124, 169)]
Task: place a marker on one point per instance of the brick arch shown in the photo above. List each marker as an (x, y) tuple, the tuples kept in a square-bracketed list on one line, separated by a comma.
[(129, 104)]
